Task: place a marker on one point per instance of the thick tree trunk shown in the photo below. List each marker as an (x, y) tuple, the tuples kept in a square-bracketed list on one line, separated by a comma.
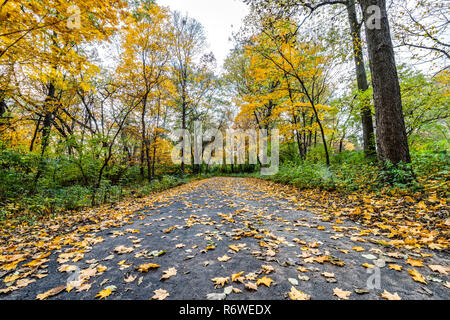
[(361, 77), (391, 137)]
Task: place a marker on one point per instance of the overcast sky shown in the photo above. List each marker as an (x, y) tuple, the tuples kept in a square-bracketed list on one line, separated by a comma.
[(219, 18)]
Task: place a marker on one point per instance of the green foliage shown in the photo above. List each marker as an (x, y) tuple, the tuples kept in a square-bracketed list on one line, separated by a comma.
[(425, 106), (66, 183), (351, 172)]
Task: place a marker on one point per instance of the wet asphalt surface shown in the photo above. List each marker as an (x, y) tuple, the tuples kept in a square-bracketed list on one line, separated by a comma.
[(217, 213)]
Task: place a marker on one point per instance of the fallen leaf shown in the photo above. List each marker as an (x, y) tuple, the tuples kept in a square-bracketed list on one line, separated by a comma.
[(237, 276), (50, 293), (220, 281), (414, 263), (440, 269), (267, 269), (341, 294), (147, 266), (390, 296), (129, 279), (302, 269), (251, 286), (168, 273), (295, 294), (160, 294), (122, 250), (368, 265), (395, 267), (417, 276), (265, 281), (236, 290), (328, 275), (224, 258)]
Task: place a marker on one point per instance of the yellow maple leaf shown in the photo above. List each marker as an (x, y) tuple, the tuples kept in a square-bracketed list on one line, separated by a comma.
[(104, 293), (101, 268), (417, 276), (265, 281), (147, 266), (415, 263), (236, 276), (395, 267)]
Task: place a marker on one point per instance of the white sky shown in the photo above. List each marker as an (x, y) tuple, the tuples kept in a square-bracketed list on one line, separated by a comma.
[(219, 18)]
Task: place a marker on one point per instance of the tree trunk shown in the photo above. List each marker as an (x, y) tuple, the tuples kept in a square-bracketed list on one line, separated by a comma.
[(391, 133), (144, 146), (361, 77), (184, 129), (2, 108), (48, 119)]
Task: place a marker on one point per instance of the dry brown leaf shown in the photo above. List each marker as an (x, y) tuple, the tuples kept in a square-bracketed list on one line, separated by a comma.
[(440, 269), (50, 293), (129, 279), (168, 273), (295, 294), (220, 281), (160, 294), (122, 249), (224, 258), (251, 286), (267, 269)]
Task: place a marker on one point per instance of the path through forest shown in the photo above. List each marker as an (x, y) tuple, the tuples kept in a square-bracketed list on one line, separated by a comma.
[(221, 238)]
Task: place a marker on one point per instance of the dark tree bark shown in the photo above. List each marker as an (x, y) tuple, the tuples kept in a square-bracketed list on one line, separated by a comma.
[(391, 137), (361, 77), (48, 118), (2, 108)]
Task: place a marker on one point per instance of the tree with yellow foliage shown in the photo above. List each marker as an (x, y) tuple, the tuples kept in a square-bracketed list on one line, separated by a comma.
[(144, 72)]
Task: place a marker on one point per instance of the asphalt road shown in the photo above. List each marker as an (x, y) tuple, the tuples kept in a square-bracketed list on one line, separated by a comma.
[(190, 227)]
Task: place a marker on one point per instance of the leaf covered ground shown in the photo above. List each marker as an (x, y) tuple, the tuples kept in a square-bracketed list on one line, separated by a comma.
[(234, 238)]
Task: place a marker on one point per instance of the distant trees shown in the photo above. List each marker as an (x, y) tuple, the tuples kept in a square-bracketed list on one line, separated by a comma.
[(60, 99), (193, 72)]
